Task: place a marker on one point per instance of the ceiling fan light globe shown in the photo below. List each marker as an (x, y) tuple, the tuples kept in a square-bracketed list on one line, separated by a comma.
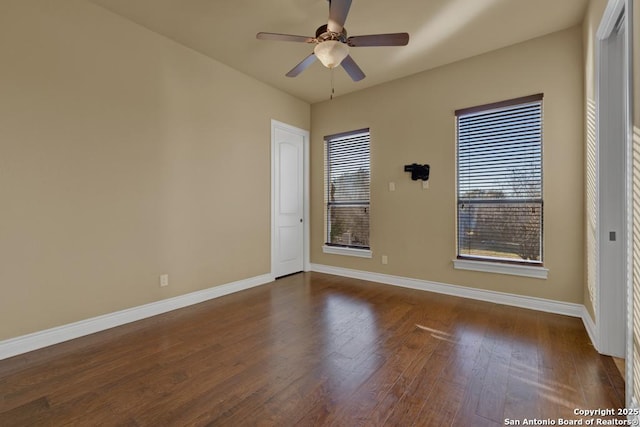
[(331, 52)]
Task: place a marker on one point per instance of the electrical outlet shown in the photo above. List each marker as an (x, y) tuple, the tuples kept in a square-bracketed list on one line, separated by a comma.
[(164, 280), (385, 260)]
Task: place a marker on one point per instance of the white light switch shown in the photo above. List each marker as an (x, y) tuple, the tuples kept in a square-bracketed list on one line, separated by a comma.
[(392, 186), (425, 185)]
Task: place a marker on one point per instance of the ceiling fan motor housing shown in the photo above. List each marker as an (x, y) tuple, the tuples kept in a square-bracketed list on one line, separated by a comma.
[(323, 34)]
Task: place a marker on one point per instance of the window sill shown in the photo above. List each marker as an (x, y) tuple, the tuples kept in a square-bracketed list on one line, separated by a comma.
[(495, 267), (337, 250)]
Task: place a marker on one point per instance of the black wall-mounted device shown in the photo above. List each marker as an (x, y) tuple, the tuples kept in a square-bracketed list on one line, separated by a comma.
[(418, 171)]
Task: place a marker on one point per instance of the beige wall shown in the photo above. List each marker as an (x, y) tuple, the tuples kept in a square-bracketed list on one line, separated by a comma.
[(412, 120), (123, 156)]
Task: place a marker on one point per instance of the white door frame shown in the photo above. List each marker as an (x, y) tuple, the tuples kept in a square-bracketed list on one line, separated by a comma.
[(305, 218), (613, 286)]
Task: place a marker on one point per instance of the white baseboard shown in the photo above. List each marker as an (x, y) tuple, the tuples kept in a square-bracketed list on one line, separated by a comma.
[(540, 304), (23, 344), (590, 326)]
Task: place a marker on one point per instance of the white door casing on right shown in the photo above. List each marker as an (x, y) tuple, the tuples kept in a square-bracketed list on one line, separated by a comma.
[(612, 105)]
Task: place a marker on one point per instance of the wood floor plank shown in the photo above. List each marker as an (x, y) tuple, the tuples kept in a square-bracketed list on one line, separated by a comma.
[(421, 344), (523, 393), (25, 414), (403, 347), (314, 349)]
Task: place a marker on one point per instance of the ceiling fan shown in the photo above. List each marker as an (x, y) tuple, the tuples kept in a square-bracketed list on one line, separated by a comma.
[(332, 43)]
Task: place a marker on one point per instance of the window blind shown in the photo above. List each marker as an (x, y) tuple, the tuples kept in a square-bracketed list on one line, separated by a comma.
[(500, 181), (635, 264), (348, 179)]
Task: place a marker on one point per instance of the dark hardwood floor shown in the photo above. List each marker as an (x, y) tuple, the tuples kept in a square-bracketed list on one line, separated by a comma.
[(314, 349)]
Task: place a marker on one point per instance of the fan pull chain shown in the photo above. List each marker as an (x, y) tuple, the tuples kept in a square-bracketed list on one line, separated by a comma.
[(332, 86)]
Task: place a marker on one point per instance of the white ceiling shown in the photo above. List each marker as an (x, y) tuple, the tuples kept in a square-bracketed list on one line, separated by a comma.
[(441, 31)]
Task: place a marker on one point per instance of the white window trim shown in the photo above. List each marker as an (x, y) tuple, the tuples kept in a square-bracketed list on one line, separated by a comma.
[(340, 250), (536, 272)]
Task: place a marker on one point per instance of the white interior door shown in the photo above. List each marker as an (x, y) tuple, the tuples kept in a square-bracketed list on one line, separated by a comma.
[(288, 200)]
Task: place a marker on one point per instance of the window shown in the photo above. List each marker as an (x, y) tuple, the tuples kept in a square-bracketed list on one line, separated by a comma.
[(347, 176), (500, 182)]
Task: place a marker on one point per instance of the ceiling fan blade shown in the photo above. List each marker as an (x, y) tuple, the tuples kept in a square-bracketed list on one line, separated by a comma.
[(395, 39), (284, 37), (338, 11), (352, 69), (302, 65)]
